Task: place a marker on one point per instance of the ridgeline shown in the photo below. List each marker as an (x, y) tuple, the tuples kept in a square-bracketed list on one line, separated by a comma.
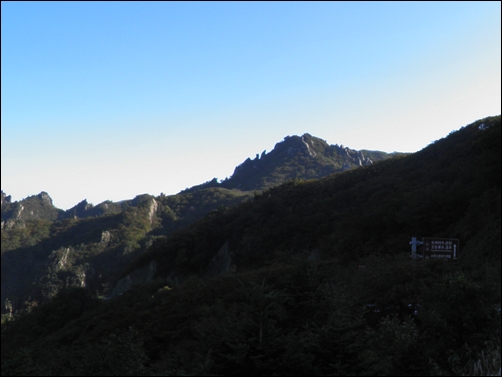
[(308, 277)]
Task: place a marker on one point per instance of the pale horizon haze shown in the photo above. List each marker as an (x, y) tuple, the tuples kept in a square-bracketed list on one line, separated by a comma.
[(109, 100)]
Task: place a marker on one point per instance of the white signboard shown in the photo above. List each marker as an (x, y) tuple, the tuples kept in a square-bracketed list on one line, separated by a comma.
[(445, 248)]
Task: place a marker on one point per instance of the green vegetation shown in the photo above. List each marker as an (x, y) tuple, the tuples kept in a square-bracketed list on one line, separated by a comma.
[(319, 278), (41, 257), (297, 157)]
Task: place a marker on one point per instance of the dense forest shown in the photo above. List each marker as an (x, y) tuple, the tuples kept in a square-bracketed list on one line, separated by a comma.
[(310, 277), (46, 249)]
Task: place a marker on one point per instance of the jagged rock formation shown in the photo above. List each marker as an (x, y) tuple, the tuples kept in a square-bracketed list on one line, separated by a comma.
[(79, 211), (33, 207), (221, 263), (141, 276), (5, 198), (152, 210), (304, 157), (85, 209), (133, 224), (45, 198), (41, 207), (105, 237)]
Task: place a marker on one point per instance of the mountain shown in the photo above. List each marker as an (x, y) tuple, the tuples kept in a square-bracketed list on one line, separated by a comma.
[(33, 207), (373, 210), (296, 157), (45, 248), (306, 278)]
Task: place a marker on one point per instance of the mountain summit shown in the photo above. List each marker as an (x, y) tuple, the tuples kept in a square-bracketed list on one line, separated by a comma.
[(296, 157)]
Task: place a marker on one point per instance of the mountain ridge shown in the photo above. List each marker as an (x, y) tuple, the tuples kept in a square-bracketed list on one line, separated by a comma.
[(430, 161), (314, 159), (311, 277), (295, 157), (52, 240)]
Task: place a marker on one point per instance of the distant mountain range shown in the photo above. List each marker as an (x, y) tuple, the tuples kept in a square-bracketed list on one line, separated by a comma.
[(296, 157)]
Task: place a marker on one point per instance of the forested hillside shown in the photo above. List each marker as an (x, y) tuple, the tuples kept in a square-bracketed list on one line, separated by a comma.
[(312, 277), (46, 249)]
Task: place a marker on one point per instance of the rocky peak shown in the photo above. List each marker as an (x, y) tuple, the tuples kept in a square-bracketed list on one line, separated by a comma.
[(306, 144), (45, 197), (305, 157), (5, 198), (85, 205), (79, 211), (33, 207)]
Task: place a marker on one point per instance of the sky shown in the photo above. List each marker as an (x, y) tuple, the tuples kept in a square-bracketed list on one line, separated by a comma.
[(109, 100)]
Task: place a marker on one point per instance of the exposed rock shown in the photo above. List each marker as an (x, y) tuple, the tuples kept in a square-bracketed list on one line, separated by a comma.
[(303, 157), (311, 152), (5, 198), (346, 166), (105, 237), (60, 257), (81, 278), (33, 207), (18, 212), (45, 197), (10, 224), (221, 263), (141, 276), (152, 210), (80, 210)]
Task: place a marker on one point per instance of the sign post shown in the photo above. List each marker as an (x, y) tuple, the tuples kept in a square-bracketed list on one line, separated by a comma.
[(445, 248), (414, 243)]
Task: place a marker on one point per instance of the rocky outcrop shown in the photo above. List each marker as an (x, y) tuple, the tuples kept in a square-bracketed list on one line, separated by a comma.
[(310, 152), (80, 210), (221, 263), (44, 197), (105, 237), (60, 257), (346, 166), (5, 199), (152, 209), (18, 212), (33, 207), (141, 276), (297, 157)]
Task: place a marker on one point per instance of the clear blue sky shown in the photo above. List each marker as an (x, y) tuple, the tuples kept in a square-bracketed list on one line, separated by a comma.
[(108, 100)]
